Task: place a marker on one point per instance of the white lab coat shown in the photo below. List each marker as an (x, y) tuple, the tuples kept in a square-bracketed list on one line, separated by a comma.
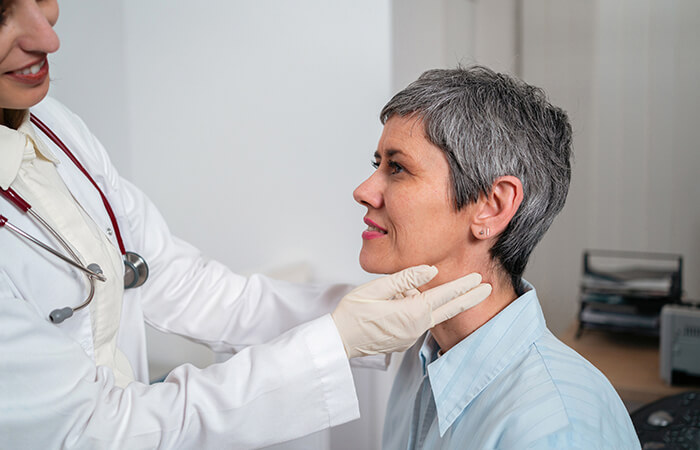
[(290, 383)]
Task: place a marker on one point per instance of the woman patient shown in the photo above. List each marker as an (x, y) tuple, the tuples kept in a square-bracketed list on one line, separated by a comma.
[(472, 167)]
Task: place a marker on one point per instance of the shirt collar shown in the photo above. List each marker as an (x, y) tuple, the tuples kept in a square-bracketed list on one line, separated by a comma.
[(460, 374), (18, 145), (428, 352)]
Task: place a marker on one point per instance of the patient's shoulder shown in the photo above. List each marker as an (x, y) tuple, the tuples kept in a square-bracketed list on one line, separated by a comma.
[(580, 398), (550, 397), (570, 372)]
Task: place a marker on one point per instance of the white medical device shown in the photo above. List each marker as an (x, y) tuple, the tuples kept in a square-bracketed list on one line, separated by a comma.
[(679, 345)]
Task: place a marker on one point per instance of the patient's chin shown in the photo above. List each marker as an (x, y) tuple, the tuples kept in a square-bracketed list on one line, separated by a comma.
[(368, 267), (373, 265)]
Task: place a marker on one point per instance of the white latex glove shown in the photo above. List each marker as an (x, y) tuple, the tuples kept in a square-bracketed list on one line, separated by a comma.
[(370, 322)]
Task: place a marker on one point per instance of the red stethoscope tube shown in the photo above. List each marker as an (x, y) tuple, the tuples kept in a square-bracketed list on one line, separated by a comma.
[(14, 197), (47, 131)]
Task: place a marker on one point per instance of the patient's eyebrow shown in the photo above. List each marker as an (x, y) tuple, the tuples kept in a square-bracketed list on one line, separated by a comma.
[(389, 153)]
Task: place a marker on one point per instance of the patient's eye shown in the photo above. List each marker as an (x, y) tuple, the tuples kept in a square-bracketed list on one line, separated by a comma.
[(396, 168)]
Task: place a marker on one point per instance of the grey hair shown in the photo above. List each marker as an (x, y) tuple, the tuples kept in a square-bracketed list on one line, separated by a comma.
[(491, 125)]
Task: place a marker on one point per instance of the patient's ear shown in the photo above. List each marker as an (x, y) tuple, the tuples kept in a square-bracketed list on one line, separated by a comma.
[(494, 211)]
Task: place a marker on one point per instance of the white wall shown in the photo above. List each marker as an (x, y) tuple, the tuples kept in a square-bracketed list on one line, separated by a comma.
[(430, 34), (251, 123), (88, 72)]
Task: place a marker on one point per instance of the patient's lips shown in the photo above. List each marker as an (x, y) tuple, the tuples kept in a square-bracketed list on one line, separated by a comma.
[(373, 230)]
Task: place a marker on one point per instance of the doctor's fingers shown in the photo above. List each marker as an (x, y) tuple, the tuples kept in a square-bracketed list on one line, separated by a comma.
[(397, 284), (440, 295), (462, 303)]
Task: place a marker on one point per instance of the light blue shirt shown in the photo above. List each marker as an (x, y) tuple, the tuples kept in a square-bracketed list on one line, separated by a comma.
[(509, 385)]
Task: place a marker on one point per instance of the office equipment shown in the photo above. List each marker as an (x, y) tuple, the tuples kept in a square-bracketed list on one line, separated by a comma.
[(670, 423), (680, 344), (625, 291)]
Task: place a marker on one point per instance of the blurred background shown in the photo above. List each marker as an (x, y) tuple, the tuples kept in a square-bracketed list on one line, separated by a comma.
[(249, 123)]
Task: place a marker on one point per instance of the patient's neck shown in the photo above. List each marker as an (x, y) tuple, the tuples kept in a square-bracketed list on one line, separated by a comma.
[(452, 331)]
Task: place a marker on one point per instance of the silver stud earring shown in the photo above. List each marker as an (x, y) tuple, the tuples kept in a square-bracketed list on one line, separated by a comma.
[(481, 233)]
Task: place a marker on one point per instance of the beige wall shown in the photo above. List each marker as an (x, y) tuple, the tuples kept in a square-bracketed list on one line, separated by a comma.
[(626, 72)]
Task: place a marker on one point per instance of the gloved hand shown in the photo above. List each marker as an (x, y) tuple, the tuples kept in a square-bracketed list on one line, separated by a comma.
[(388, 314)]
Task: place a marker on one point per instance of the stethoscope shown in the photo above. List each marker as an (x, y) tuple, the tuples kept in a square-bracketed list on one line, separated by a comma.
[(135, 267)]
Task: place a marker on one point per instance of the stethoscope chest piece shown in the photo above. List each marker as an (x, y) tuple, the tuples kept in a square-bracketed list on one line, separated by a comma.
[(135, 270)]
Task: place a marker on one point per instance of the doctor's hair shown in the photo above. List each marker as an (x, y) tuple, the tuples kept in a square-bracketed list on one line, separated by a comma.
[(12, 118), (4, 5), (490, 125)]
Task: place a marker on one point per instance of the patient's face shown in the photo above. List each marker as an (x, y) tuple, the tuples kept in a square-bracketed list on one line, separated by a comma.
[(410, 213)]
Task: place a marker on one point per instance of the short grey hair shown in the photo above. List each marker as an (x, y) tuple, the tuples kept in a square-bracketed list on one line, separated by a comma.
[(491, 125)]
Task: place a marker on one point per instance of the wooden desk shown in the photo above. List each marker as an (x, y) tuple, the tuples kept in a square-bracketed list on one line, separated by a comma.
[(630, 362)]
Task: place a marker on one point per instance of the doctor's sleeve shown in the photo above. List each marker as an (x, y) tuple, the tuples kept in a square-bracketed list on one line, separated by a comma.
[(53, 396)]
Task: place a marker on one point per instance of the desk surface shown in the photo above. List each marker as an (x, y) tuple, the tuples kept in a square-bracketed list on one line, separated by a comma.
[(630, 362)]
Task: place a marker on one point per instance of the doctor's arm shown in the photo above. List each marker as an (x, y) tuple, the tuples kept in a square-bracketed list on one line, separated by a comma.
[(52, 395)]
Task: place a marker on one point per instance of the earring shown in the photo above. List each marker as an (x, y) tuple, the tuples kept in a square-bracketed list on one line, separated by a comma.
[(481, 233)]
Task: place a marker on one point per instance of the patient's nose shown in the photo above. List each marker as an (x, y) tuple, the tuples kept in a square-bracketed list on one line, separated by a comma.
[(369, 193)]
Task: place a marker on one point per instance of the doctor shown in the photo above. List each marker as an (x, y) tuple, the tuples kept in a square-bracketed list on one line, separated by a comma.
[(79, 379)]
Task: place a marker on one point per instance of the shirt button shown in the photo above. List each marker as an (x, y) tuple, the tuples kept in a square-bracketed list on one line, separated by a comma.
[(109, 231)]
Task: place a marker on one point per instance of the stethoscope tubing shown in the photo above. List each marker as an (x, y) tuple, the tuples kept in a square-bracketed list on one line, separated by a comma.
[(93, 271), (6, 223)]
